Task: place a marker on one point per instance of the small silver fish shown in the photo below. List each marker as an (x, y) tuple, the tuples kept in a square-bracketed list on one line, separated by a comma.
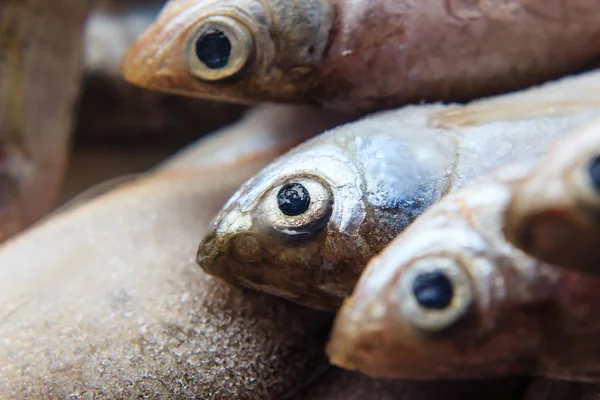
[(555, 213), (305, 227), (451, 298), (361, 55)]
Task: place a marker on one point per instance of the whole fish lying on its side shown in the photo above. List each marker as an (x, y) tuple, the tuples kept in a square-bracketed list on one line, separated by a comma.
[(555, 213), (451, 298), (361, 55), (305, 227)]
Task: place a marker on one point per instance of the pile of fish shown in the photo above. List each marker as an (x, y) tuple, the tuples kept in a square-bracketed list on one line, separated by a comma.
[(424, 214)]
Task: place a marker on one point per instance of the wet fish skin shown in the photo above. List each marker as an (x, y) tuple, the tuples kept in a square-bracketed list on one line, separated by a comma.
[(372, 178), (506, 314), (554, 214), (371, 55)]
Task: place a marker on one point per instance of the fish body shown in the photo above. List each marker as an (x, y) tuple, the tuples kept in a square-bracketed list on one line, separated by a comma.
[(451, 298), (554, 214), (305, 226), (40, 70), (361, 55)]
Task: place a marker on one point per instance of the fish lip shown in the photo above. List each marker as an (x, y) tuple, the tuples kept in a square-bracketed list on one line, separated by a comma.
[(344, 341), (207, 249)]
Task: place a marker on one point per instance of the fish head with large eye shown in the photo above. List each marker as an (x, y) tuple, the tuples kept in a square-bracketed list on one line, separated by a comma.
[(432, 305), (291, 230), (241, 51), (314, 217)]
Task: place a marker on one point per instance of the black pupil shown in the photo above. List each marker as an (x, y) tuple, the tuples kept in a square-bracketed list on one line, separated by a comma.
[(293, 199), (433, 290), (595, 172), (213, 48)]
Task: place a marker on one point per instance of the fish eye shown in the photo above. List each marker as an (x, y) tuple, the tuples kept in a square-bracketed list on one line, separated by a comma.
[(293, 199), (432, 290), (433, 294), (594, 173), (298, 206), (219, 48), (584, 182)]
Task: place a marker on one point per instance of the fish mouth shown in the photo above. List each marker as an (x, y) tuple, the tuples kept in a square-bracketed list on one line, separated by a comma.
[(343, 344), (206, 251), (225, 255)]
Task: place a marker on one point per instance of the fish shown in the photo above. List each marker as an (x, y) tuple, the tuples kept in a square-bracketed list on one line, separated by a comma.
[(305, 226), (451, 298), (103, 299), (90, 315), (361, 56), (554, 214), (40, 71)]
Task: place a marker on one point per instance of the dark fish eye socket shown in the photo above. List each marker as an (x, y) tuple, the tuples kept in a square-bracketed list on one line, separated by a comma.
[(594, 171), (213, 49), (293, 199), (433, 290)]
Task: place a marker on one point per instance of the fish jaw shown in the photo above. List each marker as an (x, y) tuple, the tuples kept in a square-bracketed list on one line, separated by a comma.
[(283, 54)]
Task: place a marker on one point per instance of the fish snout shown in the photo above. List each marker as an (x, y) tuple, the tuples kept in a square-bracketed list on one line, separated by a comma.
[(223, 254), (208, 252), (351, 342)]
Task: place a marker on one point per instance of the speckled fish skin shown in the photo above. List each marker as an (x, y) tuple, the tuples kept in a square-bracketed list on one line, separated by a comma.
[(371, 55), (554, 213), (506, 313), (40, 69), (369, 179)]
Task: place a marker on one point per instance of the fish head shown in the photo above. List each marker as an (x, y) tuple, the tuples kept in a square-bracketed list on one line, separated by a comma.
[(439, 303), (246, 51), (305, 227), (555, 212), (290, 230)]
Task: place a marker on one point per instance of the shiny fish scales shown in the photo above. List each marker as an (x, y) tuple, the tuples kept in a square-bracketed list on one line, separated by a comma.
[(305, 227), (451, 298), (361, 55), (554, 214)]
